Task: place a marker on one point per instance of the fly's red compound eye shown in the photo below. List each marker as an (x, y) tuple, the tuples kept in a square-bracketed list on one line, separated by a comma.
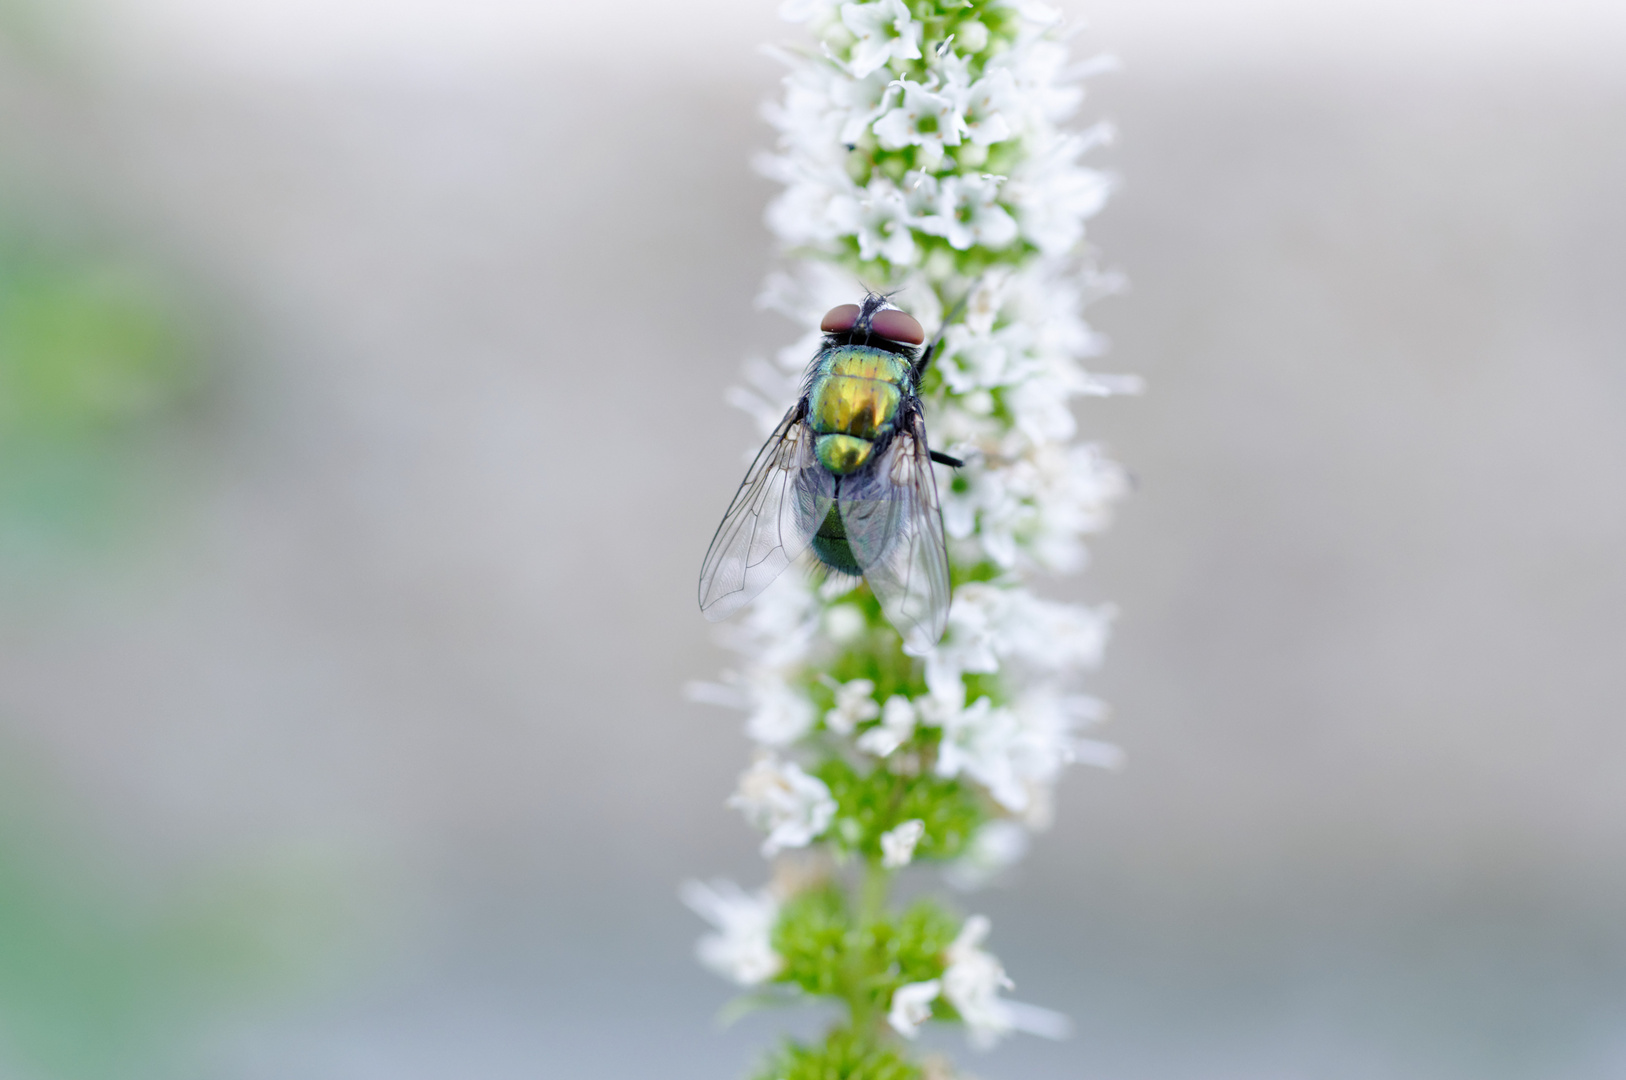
[(839, 318), (895, 326)]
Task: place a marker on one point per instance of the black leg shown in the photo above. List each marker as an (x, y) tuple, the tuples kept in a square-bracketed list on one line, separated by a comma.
[(926, 357), (925, 361)]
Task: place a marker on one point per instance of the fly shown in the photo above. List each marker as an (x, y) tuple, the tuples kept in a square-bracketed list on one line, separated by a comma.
[(846, 475)]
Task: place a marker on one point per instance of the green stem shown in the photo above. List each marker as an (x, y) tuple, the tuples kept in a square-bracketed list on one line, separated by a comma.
[(877, 884), (872, 897)]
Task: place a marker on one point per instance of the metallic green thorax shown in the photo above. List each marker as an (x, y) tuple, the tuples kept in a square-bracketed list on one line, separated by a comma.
[(852, 404)]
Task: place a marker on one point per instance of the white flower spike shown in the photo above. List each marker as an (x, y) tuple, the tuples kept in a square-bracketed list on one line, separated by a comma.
[(912, 1006), (777, 797), (897, 725), (967, 213), (742, 949), (898, 845), (924, 119), (972, 984), (884, 31), (854, 704), (927, 148)]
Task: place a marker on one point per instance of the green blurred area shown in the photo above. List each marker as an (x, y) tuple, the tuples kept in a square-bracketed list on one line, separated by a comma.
[(39, 32), (109, 967), (100, 979), (98, 353), (109, 972), (102, 361), (88, 347), (102, 346)]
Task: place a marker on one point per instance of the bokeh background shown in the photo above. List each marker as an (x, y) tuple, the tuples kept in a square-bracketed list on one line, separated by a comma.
[(361, 430)]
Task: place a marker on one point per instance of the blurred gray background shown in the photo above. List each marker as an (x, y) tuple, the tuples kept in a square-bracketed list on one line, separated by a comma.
[(340, 703)]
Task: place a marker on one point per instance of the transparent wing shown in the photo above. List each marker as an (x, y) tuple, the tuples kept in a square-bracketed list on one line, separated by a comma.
[(895, 530), (765, 527)]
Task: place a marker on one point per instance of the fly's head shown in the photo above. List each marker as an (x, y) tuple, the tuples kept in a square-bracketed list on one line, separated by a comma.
[(874, 322)]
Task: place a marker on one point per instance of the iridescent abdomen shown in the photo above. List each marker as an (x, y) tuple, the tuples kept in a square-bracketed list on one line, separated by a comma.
[(852, 403), (829, 543)]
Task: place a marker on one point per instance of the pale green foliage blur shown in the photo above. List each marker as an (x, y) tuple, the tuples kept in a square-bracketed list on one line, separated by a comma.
[(97, 356), (107, 970), (107, 973)]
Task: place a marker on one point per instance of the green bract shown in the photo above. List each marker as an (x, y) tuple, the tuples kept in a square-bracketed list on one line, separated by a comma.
[(831, 951), (875, 653), (842, 1056), (875, 801)]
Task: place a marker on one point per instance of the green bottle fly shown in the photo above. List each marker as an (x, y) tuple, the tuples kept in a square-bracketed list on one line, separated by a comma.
[(847, 475), (852, 402)]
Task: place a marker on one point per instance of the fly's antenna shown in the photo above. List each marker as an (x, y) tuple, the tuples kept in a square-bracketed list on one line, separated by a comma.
[(873, 302)]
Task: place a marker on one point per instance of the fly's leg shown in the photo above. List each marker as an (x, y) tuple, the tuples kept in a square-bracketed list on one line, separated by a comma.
[(925, 360)]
